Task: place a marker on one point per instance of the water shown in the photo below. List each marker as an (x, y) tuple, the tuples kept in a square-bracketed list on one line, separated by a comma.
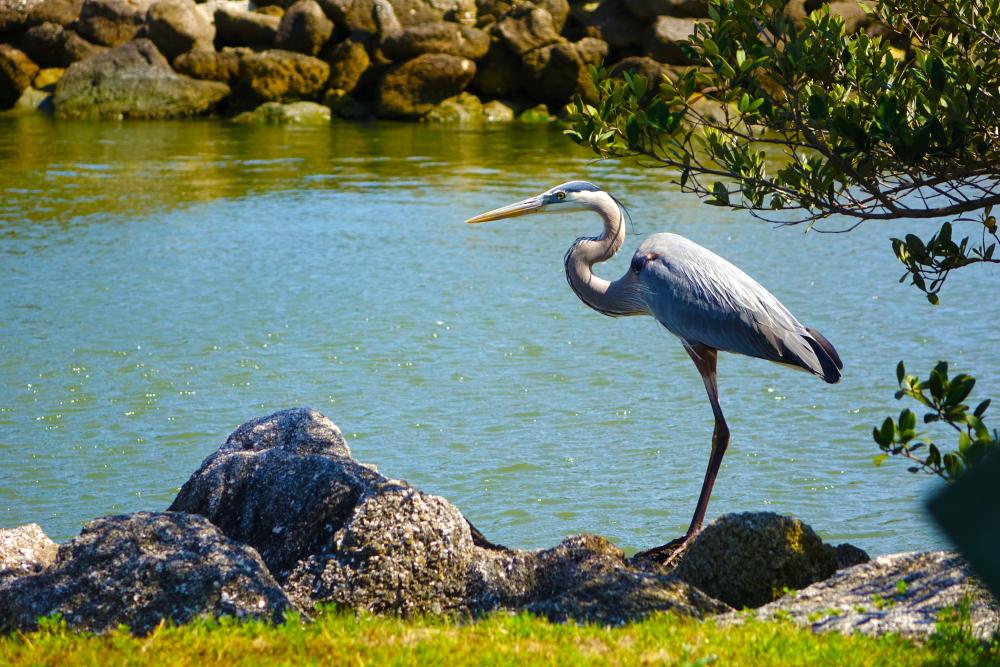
[(164, 282)]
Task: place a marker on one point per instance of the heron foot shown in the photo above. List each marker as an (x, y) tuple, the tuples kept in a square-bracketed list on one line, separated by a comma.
[(667, 554)]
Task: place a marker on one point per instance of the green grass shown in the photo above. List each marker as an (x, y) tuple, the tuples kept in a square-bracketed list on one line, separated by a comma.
[(345, 639)]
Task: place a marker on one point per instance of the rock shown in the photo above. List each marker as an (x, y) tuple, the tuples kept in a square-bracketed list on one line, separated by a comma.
[(856, 19), (464, 109), (348, 62), (526, 28), (31, 101), (649, 9), (797, 10), (281, 76), (345, 105), (611, 21), (663, 39), (412, 89), (16, 72), (499, 73), (748, 559), (141, 569), (402, 551), (559, 71), (47, 78), (222, 66), (536, 114), (496, 111), (622, 597), (238, 28), (293, 113), (270, 10), (304, 28), (51, 45), (133, 81), (450, 38), (898, 593), (491, 11), (356, 17), (24, 550), (176, 27), (283, 484), (16, 15), (110, 22)]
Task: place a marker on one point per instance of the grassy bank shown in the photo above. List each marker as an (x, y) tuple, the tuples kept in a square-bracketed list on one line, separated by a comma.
[(343, 638)]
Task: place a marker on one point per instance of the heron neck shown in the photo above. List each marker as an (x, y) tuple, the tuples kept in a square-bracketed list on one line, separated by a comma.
[(610, 298)]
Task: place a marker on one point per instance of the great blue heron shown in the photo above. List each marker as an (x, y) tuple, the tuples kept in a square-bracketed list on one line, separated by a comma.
[(696, 295)]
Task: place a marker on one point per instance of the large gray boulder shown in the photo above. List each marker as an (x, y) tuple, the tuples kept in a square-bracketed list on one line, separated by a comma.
[(749, 559), (177, 26), (453, 39), (110, 22), (234, 27), (491, 11), (284, 484), (336, 531), (304, 28), (556, 72), (133, 81), (412, 89), (292, 113), (141, 569), (899, 593), (24, 550), (52, 45), (277, 75), (16, 15), (16, 72)]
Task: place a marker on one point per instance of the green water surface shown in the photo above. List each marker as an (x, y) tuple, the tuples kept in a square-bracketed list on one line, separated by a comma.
[(160, 283)]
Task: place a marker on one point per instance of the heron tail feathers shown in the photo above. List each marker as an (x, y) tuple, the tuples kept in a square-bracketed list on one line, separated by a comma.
[(828, 358)]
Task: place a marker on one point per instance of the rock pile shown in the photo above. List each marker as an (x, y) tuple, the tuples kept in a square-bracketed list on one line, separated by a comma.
[(281, 518), (362, 58)]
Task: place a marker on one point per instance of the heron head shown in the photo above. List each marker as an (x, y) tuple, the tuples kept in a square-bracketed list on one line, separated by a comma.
[(574, 195)]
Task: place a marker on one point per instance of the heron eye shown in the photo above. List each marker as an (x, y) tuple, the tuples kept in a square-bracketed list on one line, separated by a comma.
[(560, 195)]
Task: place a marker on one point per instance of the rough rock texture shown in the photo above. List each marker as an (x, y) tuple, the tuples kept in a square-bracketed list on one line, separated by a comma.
[(526, 28), (21, 14), (140, 569), (611, 21), (401, 551), (51, 45), (24, 550), (176, 27), (348, 62), (663, 38), (234, 27), (499, 73), (16, 72), (497, 112), (281, 76), (748, 559), (464, 108), (855, 17), (304, 28), (870, 599), (412, 89), (284, 484), (46, 79), (293, 113), (556, 72), (356, 17), (133, 81), (110, 22), (450, 38), (221, 66)]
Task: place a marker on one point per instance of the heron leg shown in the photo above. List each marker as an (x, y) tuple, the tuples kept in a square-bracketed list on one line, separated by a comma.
[(704, 359)]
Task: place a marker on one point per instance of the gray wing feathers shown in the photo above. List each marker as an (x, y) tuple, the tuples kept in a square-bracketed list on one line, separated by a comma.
[(702, 298)]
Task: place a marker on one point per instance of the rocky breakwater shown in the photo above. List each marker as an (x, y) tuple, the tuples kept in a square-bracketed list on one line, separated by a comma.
[(281, 518), (446, 60)]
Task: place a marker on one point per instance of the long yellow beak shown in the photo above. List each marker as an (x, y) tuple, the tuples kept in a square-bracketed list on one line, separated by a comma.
[(523, 207)]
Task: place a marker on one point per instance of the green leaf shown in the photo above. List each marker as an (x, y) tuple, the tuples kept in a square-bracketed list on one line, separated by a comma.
[(877, 460), (900, 372)]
